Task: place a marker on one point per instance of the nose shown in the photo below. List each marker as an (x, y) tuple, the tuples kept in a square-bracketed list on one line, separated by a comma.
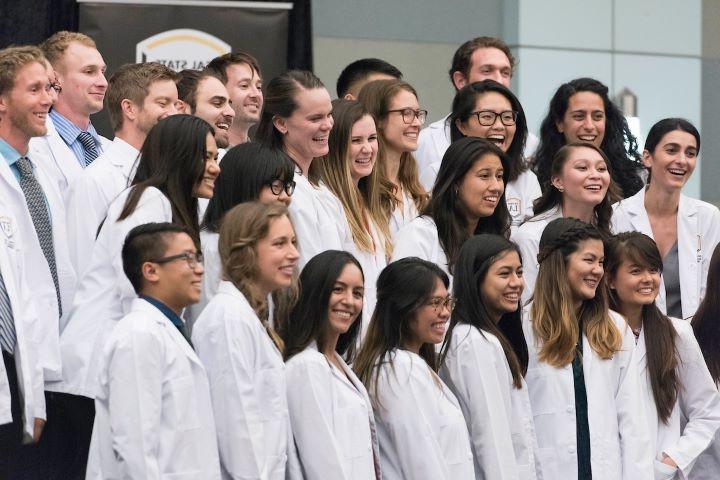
[(516, 281), (497, 185), (212, 167), (327, 124), (444, 311), (416, 121), (199, 268), (228, 111), (293, 253), (284, 197), (173, 108), (102, 81), (587, 123), (598, 269)]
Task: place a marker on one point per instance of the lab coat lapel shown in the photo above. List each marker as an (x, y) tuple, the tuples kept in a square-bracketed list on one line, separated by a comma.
[(172, 330), (689, 255)]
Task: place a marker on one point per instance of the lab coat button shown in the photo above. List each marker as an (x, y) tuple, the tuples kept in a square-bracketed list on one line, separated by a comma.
[(570, 409), (571, 449)]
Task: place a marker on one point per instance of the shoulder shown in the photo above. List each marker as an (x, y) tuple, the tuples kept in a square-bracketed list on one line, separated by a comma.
[(308, 359), (705, 209), (466, 338), (227, 310), (420, 225), (684, 330)]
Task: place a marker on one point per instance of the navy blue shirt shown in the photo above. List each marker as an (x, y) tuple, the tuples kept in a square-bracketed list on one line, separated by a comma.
[(169, 313)]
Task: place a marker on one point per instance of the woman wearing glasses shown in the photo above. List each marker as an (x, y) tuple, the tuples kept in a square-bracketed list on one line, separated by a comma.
[(420, 427), (361, 226), (467, 199), (484, 359), (489, 110), (297, 118), (240, 350), (178, 165), (251, 171), (394, 105)]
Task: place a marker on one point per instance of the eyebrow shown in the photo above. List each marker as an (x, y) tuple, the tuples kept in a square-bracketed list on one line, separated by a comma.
[(219, 97)]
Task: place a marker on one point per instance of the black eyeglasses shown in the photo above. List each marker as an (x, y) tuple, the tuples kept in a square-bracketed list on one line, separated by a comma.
[(192, 259), (438, 302), (408, 115), (56, 86), (487, 118), (277, 187)]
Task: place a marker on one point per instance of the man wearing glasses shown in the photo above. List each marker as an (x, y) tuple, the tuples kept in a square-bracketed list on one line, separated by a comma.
[(153, 409)]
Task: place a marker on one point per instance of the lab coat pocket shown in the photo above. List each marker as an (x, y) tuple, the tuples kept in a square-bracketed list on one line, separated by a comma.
[(453, 439), (664, 472), (184, 401)]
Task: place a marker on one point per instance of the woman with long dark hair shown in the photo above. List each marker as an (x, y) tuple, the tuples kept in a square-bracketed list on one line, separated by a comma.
[(681, 401), (490, 110), (484, 359), (420, 426), (330, 411), (686, 230), (582, 188), (467, 199), (582, 377), (581, 111)]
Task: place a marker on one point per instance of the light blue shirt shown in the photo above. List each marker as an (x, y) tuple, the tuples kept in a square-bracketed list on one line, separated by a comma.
[(11, 156), (69, 132)]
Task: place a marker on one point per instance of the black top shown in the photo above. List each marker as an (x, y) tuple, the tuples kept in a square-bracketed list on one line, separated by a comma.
[(582, 425)]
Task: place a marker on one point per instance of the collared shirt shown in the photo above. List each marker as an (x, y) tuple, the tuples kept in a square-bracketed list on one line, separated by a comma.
[(69, 132), (167, 311), (11, 156)]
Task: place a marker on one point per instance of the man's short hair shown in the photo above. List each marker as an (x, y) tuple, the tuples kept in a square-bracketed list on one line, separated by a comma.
[(360, 70), (188, 82), (146, 243), (12, 60), (132, 81), (462, 59), (54, 46), (219, 65)]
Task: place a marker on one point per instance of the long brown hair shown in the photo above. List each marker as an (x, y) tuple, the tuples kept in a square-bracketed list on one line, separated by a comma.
[(660, 334), (552, 197), (376, 98), (705, 322), (555, 321), (242, 227)]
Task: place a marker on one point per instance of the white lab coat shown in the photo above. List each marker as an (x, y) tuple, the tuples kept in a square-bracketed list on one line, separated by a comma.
[(402, 215), (497, 414), (696, 415), (247, 386), (37, 270), (527, 238), (434, 140), (153, 415), (90, 194), (421, 429), (62, 165), (104, 294), (315, 232), (419, 238), (372, 262), (707, 465), (332, 419), (27, 364), (698, 232), (619, 440), (211, 278)]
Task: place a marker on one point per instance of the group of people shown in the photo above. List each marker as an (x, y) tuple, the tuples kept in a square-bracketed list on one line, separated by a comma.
[(343, 294)]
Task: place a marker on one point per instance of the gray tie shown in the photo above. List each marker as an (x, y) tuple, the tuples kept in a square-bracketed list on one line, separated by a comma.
[(88, 143), (35, 198), (7, 324)]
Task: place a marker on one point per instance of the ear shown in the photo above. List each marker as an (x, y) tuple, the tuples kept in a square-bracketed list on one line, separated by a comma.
[(129, 109), (646, 159), (150, 272), (559, 126), (181, 106), (280, 124), (459, 80), (459, 126), (3, 103), (557, 182), (349, 96), (611, 283)]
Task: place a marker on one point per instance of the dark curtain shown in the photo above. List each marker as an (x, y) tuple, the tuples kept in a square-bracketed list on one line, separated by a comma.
[(25, 22)]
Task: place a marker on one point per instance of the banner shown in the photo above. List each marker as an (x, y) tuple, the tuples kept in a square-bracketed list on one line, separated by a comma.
[(184, 34)]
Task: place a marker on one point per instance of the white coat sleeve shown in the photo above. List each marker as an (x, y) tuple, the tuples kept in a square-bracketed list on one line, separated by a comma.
[(402, 392), (309, 387), (489, 422), (135, 373), (534, 192), (412, 241), (636, 449), (226, 347), (84, 214), (314, 231), (528, 242), (698, 400), (31, 322)]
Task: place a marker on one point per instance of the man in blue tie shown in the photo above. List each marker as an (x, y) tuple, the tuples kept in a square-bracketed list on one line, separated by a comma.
[(71, 141)]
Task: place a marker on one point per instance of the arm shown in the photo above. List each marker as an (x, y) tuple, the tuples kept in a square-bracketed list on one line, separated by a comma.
[(135, 381), (309, 387), (698, 400), (226, 345)]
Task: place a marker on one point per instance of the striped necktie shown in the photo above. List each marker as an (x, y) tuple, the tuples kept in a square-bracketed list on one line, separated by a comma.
[(7, 324), (37, 204), (88, 144)]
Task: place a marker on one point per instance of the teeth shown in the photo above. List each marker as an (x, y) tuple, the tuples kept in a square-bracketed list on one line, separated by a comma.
[(342, 314), (222, 125), (411, 134), (593, 187), (675, 171), (587, 138), (491, 199)]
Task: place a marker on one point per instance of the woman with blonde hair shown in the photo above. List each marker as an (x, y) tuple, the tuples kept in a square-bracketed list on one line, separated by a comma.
[(361, 226), (394, 105), (240, 350), (582, 377)]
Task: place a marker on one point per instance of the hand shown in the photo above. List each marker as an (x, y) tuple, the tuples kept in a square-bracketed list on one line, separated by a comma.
[(37, 429), (669, 461)]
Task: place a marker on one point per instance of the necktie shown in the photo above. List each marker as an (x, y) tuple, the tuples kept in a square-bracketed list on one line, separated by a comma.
[(35, 198), (7, 325), (88, 144)]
